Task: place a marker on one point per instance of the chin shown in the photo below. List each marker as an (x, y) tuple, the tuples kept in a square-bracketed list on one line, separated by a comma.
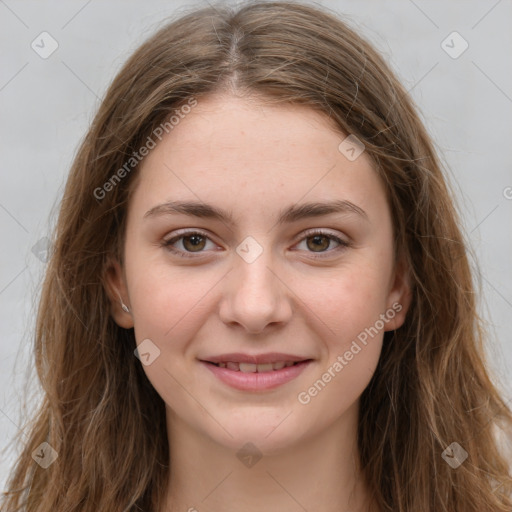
[(267, 434)]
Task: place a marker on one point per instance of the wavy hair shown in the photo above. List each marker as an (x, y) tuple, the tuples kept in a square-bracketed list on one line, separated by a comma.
[(431, 387)]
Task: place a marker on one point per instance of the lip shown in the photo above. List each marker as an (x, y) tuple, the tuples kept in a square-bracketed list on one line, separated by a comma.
[(270, 357), (257, 381)]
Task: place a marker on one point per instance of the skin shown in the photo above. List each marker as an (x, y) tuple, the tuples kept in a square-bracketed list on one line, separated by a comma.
[(253, 160)]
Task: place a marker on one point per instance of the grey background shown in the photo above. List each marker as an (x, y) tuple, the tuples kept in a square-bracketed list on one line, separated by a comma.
[(47, 105)]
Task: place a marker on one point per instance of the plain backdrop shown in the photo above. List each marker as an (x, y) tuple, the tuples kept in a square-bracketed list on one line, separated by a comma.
[(464, 96)]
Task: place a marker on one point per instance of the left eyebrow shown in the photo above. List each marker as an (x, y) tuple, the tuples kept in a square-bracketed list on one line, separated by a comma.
[(298, 212), (290, 214)]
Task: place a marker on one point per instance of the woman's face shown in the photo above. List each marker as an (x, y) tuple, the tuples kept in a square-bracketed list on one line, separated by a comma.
[(254, 240)]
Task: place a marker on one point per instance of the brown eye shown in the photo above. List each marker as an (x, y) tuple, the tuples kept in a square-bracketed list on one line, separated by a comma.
[(322, 244), (188, 244), (318, 243), (194, 243)]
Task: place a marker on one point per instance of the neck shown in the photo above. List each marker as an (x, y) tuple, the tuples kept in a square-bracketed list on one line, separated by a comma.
[(206, 475)]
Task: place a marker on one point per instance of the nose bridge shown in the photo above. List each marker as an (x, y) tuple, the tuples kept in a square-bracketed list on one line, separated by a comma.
[(255, 296), (255, 278)]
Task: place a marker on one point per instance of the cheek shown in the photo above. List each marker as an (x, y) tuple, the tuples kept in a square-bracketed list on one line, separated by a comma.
[(170, 307), (353, 345), (167, 302), (352, 308), (346, 300)]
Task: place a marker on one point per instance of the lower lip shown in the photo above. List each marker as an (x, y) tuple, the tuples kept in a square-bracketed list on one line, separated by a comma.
[(257, 381)]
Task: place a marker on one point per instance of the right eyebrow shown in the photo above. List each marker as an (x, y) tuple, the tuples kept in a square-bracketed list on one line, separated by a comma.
[(192, 208)]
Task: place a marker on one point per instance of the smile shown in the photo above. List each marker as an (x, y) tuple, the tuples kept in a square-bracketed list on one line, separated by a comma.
[(256, 373), (255, 368)]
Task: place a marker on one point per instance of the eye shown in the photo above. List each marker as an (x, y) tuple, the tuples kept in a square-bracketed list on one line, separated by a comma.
[(191, 242), (318, 241)]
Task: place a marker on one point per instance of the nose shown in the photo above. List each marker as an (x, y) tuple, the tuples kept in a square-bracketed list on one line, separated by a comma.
[(255, 295)]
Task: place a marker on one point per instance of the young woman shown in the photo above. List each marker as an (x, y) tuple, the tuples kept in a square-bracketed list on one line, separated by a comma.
[(259, 296)]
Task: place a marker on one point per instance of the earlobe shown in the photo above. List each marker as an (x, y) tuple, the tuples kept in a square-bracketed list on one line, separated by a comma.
[(399, 297), (115, 287)]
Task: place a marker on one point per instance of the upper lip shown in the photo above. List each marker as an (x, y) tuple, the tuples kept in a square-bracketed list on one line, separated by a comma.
[(271, 357)]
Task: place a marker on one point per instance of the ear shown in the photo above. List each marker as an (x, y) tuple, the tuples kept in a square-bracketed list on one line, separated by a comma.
[(400, 295), (116, 289)]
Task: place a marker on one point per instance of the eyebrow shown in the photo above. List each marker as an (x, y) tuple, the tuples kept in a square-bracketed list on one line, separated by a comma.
[(290, 214)]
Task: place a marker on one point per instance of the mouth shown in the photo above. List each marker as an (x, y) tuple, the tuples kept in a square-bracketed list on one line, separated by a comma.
[(256, 373), (255, 368)]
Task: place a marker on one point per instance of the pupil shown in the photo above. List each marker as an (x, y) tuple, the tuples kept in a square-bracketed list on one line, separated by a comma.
[(194, 241), (316, 243)]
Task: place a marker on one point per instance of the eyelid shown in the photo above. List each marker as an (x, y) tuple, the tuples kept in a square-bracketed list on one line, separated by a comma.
[(186, 232), (320, 231)]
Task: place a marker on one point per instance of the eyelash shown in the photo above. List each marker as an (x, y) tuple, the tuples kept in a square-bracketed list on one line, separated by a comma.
[(343, 244)]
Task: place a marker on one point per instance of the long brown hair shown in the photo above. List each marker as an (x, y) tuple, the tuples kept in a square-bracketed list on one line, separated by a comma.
[(431, 387)]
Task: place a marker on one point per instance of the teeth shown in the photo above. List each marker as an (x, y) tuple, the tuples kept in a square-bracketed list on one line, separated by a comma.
[(267, 367), (248, 367), (255, 368)]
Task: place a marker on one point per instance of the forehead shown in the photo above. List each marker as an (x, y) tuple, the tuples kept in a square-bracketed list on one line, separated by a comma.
[(228, 123), (246, 152)]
